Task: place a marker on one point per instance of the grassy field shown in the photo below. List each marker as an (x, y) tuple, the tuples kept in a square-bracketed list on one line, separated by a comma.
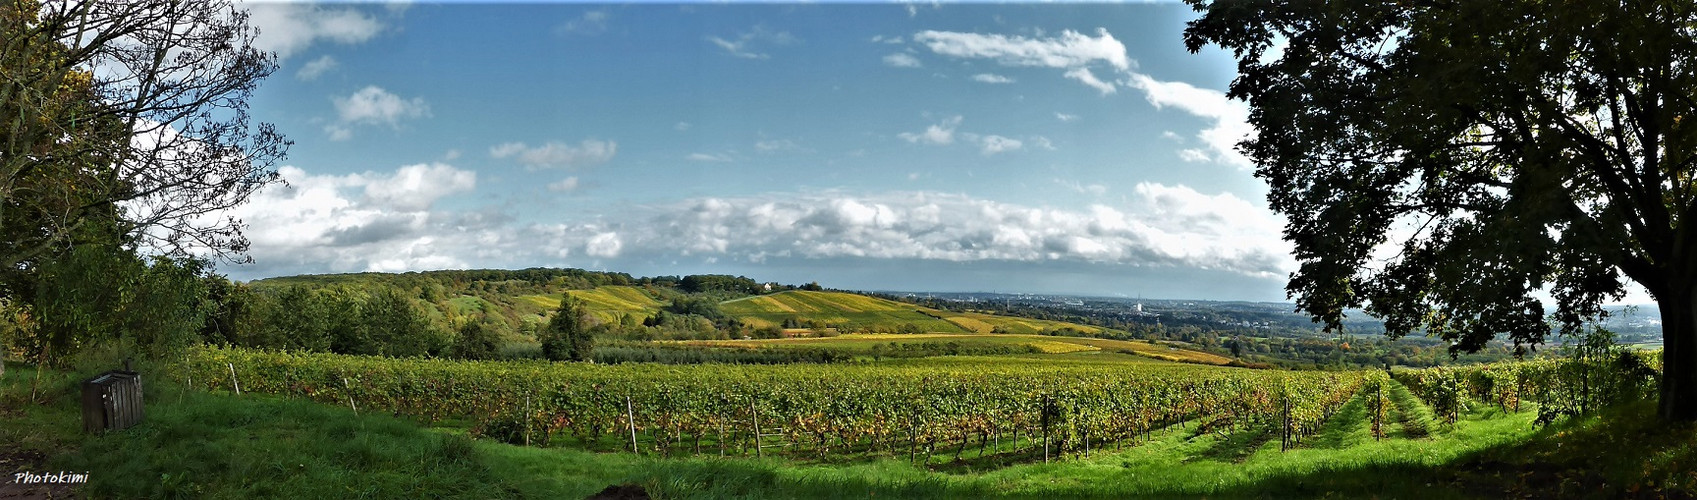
[(218, 445)]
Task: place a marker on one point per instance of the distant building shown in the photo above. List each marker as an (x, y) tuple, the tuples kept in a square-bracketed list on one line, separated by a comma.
[(1138, 308)]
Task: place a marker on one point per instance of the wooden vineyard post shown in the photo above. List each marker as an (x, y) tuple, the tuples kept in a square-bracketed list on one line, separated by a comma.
[(1045, 419), (630, 418), (756, 417), (349, 390), (233, 381), (527, 419), (1284, 433)]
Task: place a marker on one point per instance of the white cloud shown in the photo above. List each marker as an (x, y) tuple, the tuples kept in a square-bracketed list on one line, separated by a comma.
[(388, 221), (565, 185), (371, 221), (1161, 226), (991, 78), (373, 106), (604, 245), (744, 44), (290, 28), (902, 60), (993, 144), (893, 40), (1065, 117), (1069, 50), (939, 134), (1231, 117), (555, 154), (709, 157), (591, 23), (682, 126), (1041, 142), (1084, 76), (317, 67), (1193, 155), (416, 187)]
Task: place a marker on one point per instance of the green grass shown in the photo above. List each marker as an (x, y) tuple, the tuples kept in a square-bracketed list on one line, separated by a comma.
[(216, 445), (197, 445)]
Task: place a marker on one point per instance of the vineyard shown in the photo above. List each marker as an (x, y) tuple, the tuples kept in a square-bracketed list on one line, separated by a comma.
[(1010, 412), (1020, 411)]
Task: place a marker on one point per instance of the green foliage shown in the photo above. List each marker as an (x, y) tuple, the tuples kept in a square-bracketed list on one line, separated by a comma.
[(718, 282), (338, 319), (700, 306), (568, 336), (96, 294), (396, 327), (1541, 148), (475, 342)]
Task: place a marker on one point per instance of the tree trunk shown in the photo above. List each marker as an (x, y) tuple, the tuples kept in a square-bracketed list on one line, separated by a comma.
[(1679, 354)]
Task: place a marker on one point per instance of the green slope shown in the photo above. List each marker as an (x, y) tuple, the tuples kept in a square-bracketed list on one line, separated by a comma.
[(859, 312), (607, 303), (845, 311)]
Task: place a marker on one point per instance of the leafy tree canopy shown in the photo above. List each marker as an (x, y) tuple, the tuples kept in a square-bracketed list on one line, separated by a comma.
[(1442, 163)]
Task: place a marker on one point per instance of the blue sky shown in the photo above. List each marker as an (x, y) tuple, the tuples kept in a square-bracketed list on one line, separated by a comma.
[(927, 147)]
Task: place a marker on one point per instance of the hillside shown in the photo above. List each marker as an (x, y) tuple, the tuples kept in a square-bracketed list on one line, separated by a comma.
[(856, 312), (516, 304)]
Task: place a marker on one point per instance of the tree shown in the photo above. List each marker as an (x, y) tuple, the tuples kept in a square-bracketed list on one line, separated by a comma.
[(129, 117), (476, 341), (395, 327), (567, 337), (95, 294), (1443, 163)]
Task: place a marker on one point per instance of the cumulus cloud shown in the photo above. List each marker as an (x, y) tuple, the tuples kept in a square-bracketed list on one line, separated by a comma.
[(1230, 117), (939, 134), (290, 28), (1065, 117), (373, 106), (565, 185), (993, 144), (991, 78), (391, 221), (902, 60), (1162, 226), (315, 68), (370, 221), (1069, 50), (416, 187), (556, 154), (1080, 56)]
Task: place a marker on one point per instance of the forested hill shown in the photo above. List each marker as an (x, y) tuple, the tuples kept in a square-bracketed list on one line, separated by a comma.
[(512, 302)]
